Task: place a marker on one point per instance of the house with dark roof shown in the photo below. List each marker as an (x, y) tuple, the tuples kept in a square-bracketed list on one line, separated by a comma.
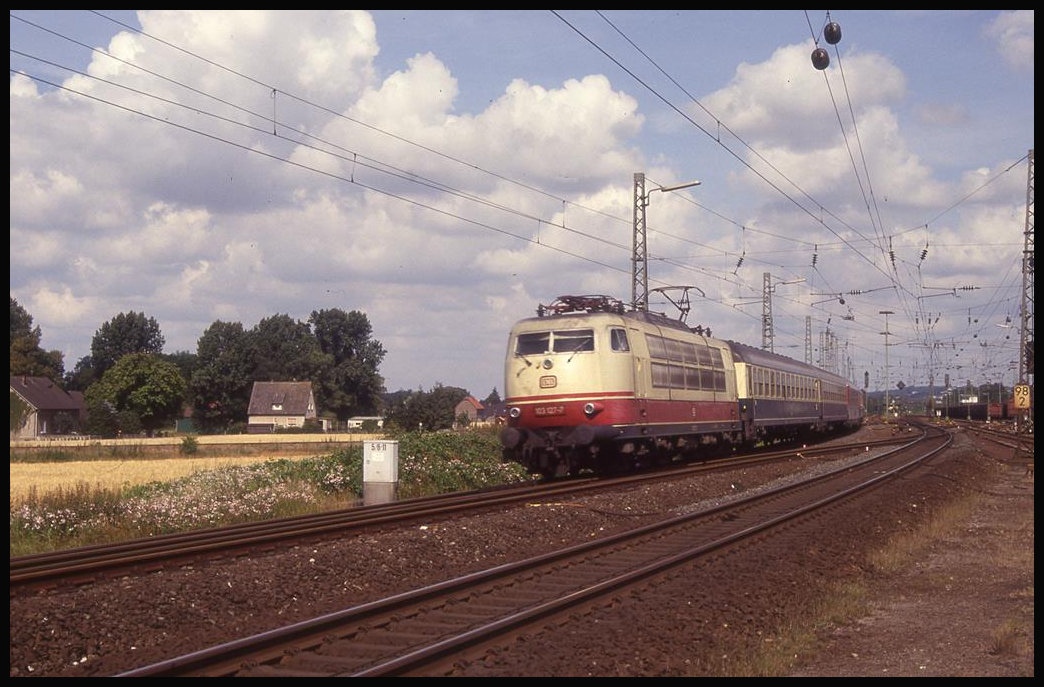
[(51, 409), (280, 405)]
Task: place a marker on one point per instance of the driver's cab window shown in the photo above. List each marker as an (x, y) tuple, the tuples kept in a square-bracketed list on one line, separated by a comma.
[(618, 339)]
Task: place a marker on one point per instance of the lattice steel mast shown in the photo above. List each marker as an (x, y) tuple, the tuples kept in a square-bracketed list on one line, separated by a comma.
[(1026, 338)]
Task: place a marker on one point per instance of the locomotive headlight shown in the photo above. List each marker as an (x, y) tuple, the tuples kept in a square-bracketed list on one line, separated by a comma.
[(548, 363), (515, 412), (592, 409)]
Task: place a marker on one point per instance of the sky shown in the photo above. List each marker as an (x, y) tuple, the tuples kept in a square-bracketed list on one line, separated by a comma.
[(447, 171)]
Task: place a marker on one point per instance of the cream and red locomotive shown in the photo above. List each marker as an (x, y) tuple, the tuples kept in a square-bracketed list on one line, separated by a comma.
[(591, 385)]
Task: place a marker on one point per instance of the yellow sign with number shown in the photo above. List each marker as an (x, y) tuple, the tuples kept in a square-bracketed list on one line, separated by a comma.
[(1022, 396)]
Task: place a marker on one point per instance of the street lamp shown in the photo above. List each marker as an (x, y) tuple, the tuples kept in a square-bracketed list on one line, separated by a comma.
[(888, 375), (639, 254)]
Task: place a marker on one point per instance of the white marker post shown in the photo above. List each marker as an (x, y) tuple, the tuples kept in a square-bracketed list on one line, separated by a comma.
[(380, 471)]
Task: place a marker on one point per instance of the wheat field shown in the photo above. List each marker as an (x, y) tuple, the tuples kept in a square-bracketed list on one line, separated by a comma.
[(115, 474), (156, 459)]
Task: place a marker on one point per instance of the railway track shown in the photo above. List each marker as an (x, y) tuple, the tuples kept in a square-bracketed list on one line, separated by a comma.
[(80, 565), (1021, 442), (409, 633)]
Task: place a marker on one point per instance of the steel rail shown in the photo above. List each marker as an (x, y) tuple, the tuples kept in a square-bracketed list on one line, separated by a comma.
[(52, 567), (227, 658)]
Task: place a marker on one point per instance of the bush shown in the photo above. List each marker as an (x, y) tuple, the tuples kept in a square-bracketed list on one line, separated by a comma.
[(429, 463)]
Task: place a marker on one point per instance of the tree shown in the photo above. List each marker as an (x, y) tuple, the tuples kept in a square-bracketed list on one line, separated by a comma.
[(429, 411), (282, 349), (20, 411), (141, 386), (220, 384), (124, 334), (185, 361), (352, 385), (493, 400), (21, 321), (27, 356), (81, 376)]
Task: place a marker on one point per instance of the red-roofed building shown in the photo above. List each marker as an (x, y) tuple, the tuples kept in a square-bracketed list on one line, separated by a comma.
[(469, 408)]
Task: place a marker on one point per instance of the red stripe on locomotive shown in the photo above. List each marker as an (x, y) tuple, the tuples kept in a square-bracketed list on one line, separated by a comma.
[(617, 408)]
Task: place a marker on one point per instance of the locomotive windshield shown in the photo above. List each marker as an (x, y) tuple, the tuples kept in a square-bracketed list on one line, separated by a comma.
[(559, 341)]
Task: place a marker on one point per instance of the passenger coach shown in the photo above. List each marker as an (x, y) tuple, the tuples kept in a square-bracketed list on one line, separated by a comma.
[(781, 398)]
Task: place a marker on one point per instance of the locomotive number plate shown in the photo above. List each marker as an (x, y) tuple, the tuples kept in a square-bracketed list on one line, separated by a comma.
[(548, 382), (546, 411)]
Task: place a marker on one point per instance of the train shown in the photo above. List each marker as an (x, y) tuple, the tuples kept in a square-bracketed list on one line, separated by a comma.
[(995, 412), (591, 385)]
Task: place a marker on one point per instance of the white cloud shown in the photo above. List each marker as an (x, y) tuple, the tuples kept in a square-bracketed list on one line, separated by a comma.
[(37, 250), (37, 193), (59, 307), (321, 54), (112, 211), (784, 99), (1012, 32)]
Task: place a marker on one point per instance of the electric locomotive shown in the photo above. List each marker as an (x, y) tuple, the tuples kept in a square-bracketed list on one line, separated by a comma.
[(590, 385)]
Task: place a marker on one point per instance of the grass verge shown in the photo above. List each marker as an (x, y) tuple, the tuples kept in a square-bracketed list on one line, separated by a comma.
[(83, 513), (841, 604)]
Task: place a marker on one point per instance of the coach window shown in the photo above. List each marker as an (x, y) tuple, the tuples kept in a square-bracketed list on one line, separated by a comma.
[(618, 339), (661, 375), (657, 347), (704, 355), (689, 353), (675, 351), (677, 373)]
